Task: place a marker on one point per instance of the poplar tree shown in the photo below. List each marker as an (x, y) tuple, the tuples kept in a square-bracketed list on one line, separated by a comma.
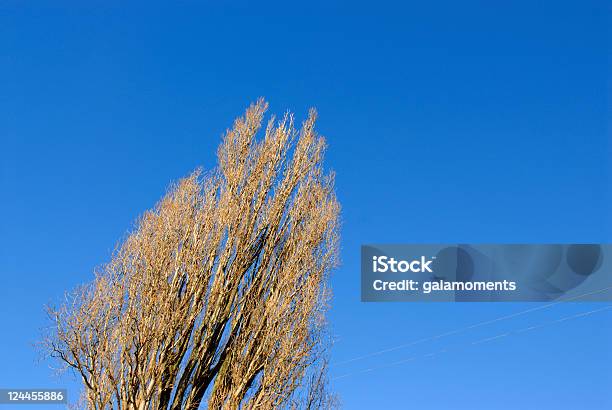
[(217, 297)]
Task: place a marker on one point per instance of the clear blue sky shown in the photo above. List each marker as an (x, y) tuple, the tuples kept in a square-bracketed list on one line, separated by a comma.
[(446, 122)]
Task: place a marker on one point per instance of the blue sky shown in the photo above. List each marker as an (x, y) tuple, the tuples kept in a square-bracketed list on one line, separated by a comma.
[(446, 122)]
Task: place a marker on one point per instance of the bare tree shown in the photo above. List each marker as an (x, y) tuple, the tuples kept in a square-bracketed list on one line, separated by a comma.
[(217, 298)]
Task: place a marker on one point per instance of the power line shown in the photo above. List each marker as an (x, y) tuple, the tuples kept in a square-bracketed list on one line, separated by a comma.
[(464, 329), (480, 341)]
